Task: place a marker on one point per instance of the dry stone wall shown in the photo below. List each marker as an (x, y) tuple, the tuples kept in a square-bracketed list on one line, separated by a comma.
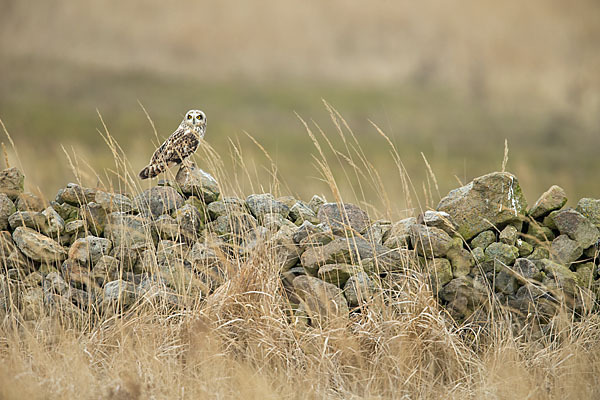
[(93, 250)]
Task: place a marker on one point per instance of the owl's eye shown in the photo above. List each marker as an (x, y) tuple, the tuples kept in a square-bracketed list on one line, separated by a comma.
[(200, 117), (189, 117)]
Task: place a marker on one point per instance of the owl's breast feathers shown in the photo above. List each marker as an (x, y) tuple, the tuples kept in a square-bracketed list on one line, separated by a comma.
[(180, 145)]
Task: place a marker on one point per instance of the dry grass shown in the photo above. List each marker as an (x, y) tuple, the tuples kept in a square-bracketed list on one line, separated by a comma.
[(243, 340)]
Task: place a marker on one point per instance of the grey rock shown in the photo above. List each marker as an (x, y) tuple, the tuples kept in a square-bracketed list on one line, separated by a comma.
[(462, 261), (495, 198), (306, 229), (505, 282), (337, 274), (559, 276), (301, 212), (585, 273), (261, 204), (579, 228), (112, 202), (527, 269), (106, 269), (316, 202), (37, 246), (525, 248), (66, 211), (12, 182), (119, 292), (437, 219), (509, 235), (478, 255), (30, 219), (346, 217), (54, 283), (126, 230), (537, 234), (430, 242), (189, 219), (168, 228), (7, 208), (29, 202), (287, 253), (75, 195), (90, 249), (399, 234), (95, 217), (194, 181), (553, 199), (54, 225), (440, 272), (499, 254), (565, 250), (358, 289), (325, 303), (227, 205), (590, 208), (158, 200), (539, 253), (234, 223), (483, 240)]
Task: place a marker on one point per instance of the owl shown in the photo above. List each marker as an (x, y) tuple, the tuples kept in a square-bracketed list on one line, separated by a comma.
[(180, 145)]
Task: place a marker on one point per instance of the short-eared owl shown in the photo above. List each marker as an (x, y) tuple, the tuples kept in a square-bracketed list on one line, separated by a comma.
[(180, 145)]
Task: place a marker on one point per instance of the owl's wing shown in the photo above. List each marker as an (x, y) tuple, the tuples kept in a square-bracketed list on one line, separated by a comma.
[(180, 145)]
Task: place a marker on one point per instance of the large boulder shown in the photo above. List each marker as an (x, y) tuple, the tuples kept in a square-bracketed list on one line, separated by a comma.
[(343, 217), (37, 246), (494, 198), (194, 181)]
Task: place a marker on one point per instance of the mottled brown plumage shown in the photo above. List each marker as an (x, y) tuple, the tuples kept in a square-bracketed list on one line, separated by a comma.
[(180, 145)]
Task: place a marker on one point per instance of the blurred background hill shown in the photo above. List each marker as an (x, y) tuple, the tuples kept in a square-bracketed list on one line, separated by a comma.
[(449, 80)]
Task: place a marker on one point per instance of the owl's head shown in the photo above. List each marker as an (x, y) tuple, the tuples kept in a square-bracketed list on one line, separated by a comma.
[(194, 119)]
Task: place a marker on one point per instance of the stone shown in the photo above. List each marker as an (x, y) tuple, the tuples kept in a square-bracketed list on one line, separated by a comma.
[(494, 199), (194, 181), (377, 231), (483, 240), (346, 217), (316, 202), (505, 282), (54, 225), (579, 228), (53, 282), (189, 219), (539, 253), (430, 242), (66, 211), (262, 204), (337, 274), (462, 261), (437, 219), (125, 230), (227, 205), (525, 248), (559, 276), (286, 252), (585, 274), (590, 208), (358, 289), (553, 199), (316, 239), (301, 212), (548, 221), (537, 234), (509, 235), (463, 295), (95, 217), (12, 182), (527, 270), (112, 202), (119, 292), (305, 230), (37, 246), (7, 208), (564, 250), (499, 254), (158, 201), (76, 195), (478, 255), (440, 273), (29, 202), (106, 269), (90, 249), (233, 224), (399, 234), (168, 228), (325, 303), (30, 219)]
